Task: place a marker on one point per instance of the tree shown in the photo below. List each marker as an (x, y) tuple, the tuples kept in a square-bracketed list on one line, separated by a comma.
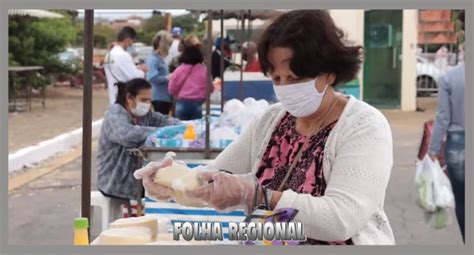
[(104, 34), (35, 42), (190, 24), (151, 26)]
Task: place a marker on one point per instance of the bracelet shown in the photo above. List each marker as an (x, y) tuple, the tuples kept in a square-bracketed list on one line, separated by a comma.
[(269, 195)]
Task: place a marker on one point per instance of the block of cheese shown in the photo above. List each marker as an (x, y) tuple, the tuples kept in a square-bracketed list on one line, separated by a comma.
[(147, 221), (171, 243), (181, 179), (177, 243), (167, 239), (125, 236)]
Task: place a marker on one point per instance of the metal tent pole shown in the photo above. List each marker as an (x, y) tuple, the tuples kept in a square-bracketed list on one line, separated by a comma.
[(209, 78), (249, 29), (87, 115), (241, 59), (222, 60)]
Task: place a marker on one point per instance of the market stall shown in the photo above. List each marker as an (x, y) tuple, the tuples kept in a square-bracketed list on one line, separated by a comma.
[(198, 150)]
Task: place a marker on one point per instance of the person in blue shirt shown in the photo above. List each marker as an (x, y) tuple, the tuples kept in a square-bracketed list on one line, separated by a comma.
[(449, 123), (158, 72)]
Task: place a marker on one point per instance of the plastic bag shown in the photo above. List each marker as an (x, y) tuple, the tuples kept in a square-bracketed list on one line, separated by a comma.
[(434, 193), (442, 189), (424, 185), (438, 219), (222, 136), (433, 186), (253, 110)]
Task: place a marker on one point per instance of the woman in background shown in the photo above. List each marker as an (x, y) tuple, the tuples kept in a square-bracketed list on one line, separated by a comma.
[(158, 72), (189, 84), (188, 41)]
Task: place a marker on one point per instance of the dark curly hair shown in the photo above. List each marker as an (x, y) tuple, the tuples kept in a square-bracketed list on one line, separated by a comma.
[(318, 45)]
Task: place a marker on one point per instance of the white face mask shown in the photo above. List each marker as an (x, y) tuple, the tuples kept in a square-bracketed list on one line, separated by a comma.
[(141, 109), (300, 99)]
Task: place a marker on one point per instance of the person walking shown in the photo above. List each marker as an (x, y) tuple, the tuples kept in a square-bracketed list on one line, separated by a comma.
[(449, 123)]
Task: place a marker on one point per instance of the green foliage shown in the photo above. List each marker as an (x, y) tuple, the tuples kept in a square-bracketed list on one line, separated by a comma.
[(79, 27), (35, 42), (189, 23), (151, 26), (104, 34)]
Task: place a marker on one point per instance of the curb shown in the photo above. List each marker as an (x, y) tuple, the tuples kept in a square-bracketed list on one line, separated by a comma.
[(49, 148)]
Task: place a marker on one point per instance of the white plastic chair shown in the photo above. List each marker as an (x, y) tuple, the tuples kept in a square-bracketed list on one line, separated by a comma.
[(110, 208)]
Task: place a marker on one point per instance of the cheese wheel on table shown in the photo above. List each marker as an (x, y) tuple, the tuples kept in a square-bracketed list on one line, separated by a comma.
[(147, 221), (125, 236)]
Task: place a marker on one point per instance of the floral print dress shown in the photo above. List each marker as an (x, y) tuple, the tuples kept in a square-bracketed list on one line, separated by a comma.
[(307, 176)]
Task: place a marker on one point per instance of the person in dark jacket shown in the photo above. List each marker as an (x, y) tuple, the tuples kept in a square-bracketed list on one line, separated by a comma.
[(216, 56)]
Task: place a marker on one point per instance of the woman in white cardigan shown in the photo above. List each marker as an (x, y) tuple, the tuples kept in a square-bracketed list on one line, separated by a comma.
[(325, 154)]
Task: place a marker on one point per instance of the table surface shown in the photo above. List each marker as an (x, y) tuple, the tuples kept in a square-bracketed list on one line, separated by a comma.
[(179, 149), (24, 68)]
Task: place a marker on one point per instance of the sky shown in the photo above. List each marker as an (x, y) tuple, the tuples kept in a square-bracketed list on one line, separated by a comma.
[(123, 13)]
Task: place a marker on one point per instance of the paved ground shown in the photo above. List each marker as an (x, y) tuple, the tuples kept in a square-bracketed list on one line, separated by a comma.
[(42, 211), (63, 105)]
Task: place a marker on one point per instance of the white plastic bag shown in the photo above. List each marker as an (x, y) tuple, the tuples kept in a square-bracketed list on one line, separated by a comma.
[(424, 185), (434, 193), (433, 186), (438, 219), (442, 189)]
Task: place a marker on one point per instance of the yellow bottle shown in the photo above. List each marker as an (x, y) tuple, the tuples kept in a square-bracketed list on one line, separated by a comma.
[(190, 134), (81, 235)]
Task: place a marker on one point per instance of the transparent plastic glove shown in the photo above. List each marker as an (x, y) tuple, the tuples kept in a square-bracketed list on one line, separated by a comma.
[(204, 169), (226, 192), (147, 173)]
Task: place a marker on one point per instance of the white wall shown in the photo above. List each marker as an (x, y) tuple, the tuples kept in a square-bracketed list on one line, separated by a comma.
[(410, 35), (352, 24)]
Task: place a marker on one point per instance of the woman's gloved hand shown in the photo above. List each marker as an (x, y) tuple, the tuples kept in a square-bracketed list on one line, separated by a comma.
[(147, 173), (226, 192)]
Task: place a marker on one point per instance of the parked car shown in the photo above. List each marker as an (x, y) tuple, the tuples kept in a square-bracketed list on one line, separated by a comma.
[(68, 57), (142, 53), (427, 75)]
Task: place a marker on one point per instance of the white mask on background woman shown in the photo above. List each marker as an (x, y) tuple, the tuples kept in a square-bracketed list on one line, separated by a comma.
[(300, 99), (141, 109)]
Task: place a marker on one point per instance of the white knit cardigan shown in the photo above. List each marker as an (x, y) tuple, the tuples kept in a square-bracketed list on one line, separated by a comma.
[(358, 158)]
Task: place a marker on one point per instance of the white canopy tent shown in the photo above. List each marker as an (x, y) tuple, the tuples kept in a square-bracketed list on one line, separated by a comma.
[(35, 13)]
